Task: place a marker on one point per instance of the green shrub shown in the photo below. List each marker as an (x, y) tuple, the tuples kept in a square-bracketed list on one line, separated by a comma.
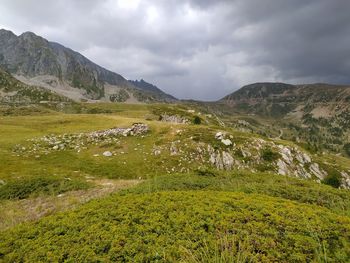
[(26, 187), (264, 167), (197, 120), (333, 179), (168, 226), (302, 191), (267, 154), (205, 171), (347, 149)]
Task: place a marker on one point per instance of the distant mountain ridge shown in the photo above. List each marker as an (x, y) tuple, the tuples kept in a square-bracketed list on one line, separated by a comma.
[(142, 84), (35, 60), (317, 115), (279, 99)]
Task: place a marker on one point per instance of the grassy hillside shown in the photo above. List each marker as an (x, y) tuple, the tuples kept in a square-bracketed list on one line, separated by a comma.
[(188, 202)]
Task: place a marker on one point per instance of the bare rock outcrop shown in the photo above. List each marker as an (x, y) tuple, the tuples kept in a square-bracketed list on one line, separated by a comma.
[(173, 118)]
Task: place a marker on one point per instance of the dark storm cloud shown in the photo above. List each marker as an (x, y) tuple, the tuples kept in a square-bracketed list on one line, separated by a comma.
[(200, 48)]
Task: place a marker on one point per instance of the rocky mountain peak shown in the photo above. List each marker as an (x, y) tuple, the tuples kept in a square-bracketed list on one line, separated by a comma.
[(4, 32), (35, 60)]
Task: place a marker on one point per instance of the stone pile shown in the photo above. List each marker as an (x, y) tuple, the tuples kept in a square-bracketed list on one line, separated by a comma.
[(174, 119), (79, 141), (136, 129)]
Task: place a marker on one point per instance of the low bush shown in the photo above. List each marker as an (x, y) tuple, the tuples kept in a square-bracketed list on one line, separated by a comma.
[(267, 154), (205, 171), (333, 179), (302, 191), (347, 149), (170, 226), (26, 187), (197, 120)]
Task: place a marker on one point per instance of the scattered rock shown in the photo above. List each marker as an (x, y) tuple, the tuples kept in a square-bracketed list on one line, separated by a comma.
[(227, 160), (303, 158), (243, 122), (286, 154), (136, 129), (227, 142), (107, 154), (157, 151), (345, 180), (317, 171), (282, 167), (173, 118), (173, 149), (219, 136), (80, 141)]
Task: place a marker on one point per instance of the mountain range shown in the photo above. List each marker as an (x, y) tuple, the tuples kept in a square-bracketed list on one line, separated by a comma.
[(261, 175), (316, 114), (37, 61)]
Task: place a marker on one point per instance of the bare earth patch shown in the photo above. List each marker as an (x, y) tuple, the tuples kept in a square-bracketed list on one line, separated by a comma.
[(32, 209)]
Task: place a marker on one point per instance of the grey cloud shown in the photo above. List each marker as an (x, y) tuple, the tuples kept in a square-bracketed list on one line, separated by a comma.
[(199, 49)]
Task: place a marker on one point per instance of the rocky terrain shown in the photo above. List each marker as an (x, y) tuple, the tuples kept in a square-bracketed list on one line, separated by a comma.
[(317, 115), (80, 141), (37, 61), (14, 92), (221, 150)]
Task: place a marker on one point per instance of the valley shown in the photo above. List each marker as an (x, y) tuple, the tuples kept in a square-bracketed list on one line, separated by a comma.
[(98, 168)]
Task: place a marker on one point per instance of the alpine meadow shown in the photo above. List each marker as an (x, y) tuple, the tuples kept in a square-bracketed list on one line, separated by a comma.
[(225, 136)]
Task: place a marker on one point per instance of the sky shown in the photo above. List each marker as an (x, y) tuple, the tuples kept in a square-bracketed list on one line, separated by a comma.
[(198, 49)]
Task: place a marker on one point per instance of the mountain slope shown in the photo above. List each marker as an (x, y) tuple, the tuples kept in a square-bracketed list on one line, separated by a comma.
[(278, 99), (35, 60), (317, 114), (152, 88), (12, 91)]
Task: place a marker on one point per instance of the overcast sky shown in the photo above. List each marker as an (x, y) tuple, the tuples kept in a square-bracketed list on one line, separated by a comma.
[(201, 49)]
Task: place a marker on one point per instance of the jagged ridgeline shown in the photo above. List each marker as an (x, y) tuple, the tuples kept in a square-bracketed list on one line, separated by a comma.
[(35, 60)]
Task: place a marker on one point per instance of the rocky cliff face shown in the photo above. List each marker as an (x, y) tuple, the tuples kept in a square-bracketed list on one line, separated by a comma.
[(14, 92), (37, 61)]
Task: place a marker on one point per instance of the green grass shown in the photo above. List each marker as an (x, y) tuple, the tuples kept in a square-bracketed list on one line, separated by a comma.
[(199, 215)]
